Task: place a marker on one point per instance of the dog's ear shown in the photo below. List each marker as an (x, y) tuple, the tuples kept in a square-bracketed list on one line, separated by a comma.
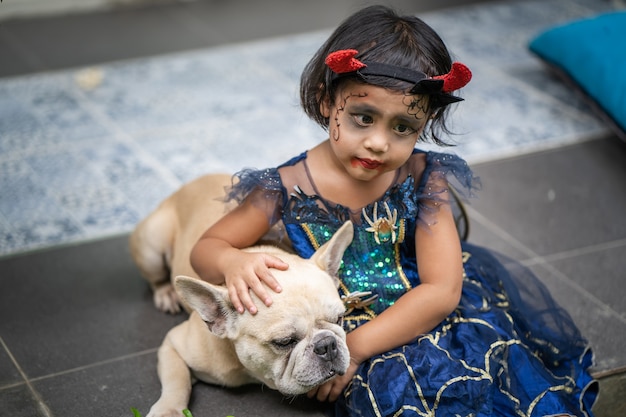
[(328, 256), (210, 301)]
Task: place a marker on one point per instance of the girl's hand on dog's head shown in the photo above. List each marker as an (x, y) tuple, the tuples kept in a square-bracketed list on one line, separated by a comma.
[(250, 272)]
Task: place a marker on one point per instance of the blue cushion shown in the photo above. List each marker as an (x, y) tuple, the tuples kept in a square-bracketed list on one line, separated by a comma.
[(592, 52)]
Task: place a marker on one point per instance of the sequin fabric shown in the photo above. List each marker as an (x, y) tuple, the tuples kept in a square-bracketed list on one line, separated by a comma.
[(367, 267)]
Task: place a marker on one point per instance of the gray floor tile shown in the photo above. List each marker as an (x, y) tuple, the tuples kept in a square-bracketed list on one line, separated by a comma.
[(9, 374), (85, 304), (255, 401), (604, 328), (18, 401), (558, 200), (601, 273), (485, 233), (109, 389), (611, 401)]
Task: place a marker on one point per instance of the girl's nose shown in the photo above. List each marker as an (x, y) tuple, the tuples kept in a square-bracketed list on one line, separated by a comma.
[(377, 142)]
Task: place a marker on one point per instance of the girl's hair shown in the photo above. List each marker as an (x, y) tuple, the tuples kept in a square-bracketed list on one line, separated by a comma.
[(380, 35)]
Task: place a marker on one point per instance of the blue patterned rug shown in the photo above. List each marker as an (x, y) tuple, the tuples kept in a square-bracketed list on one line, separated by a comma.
[(86, 153)]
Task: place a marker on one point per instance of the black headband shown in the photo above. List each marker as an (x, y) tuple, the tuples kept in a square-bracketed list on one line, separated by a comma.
[(343, 63)]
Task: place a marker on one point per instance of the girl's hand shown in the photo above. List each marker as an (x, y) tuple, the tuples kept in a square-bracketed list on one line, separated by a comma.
[(248, 271), (330, 390)]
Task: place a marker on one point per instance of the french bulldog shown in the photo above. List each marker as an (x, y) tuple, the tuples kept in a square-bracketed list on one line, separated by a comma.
[(292, 346)]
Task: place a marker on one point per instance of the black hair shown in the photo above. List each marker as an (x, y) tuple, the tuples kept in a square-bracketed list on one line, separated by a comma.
[(380, 35)]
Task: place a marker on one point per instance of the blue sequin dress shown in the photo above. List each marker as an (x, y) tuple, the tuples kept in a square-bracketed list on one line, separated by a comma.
[(507, 349)]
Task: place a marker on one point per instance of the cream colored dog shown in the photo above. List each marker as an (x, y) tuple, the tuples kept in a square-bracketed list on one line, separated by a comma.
[(292, 346)]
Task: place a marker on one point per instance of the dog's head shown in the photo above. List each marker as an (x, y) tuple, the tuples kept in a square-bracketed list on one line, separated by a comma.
[(298, 342)]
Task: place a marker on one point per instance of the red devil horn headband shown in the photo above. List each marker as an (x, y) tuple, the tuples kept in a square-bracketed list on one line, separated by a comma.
[(344, 63)]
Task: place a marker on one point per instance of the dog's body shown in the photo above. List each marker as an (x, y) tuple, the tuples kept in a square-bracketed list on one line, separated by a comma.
[(292, 346), (162, 242)]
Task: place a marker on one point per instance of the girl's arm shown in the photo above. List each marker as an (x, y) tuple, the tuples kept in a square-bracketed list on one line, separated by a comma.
[(421, 309), (417, 312), (217, 257)]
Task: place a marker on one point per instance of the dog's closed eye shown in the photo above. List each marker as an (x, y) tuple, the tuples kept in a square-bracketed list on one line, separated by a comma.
[(285, 342)]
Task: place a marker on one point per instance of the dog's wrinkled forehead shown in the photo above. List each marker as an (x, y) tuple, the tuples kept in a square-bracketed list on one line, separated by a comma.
[(307, 280), (307, 291), (306, 298)]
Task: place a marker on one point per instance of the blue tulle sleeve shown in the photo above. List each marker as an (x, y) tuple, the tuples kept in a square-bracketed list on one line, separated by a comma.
[(261, 188), (442, 172)]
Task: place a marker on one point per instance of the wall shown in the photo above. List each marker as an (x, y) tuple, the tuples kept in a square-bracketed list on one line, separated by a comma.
[(31, 8)]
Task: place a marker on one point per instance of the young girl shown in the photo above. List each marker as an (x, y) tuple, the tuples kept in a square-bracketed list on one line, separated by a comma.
[(434, 326)]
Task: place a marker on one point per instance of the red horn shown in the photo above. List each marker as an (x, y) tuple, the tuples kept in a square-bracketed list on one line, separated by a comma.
[(458, 77), (344, 61)]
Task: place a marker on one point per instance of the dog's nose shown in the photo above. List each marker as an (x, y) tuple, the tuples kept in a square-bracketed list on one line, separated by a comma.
[(326, 348)]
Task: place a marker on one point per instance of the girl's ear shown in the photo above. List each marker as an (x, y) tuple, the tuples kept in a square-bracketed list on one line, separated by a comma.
[(324, 101), (325, 107)]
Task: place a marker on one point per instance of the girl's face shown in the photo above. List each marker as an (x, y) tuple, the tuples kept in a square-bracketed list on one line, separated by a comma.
[(373, 130)]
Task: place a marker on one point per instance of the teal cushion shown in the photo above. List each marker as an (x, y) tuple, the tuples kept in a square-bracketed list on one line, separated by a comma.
[(592, 52)]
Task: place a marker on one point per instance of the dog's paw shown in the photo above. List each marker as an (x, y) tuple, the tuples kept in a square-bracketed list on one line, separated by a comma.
[(162, 410), (166, 299), (165, 413)]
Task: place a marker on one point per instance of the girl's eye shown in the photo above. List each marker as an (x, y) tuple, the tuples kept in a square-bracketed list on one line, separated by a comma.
[(404, 130), (363, 119)]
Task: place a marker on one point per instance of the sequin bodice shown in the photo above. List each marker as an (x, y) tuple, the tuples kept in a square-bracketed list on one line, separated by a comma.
[(373, 263)]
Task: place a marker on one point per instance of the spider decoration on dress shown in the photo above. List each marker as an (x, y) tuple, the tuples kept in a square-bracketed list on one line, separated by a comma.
[(357, 300), (384, 228)]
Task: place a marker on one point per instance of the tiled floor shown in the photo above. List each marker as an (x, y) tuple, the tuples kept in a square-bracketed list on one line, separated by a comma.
[(77, 328)]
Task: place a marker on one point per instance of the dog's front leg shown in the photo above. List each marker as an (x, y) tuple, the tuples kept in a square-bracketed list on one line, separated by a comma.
[(176, 383)]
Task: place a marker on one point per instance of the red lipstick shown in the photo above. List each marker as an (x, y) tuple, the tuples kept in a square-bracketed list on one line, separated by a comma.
[(368, 163)]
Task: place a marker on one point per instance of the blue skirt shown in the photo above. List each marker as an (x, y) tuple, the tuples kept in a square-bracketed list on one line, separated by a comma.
[(507, 350)]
